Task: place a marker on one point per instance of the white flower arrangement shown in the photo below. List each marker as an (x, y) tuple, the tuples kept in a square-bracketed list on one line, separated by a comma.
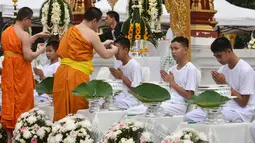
[(186, 135), (127, 131), (251, 44), (55, 16), (72, 129), (32, 126), (3, 134)]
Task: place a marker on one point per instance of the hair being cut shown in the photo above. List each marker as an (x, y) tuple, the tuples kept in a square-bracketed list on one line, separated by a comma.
[(124, 42)]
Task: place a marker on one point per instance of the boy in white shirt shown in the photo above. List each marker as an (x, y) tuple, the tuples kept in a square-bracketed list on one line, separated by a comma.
[(130, 72), (239, 75), (182, 78), (49, 69)]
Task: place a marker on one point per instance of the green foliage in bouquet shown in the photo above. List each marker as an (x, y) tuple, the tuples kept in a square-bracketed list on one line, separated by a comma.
[(148, 92), (45, 86), (93, 89), (136, 27), (3, 134), (208, 99)]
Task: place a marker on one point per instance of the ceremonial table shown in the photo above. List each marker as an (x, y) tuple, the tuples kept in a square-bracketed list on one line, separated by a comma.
[(223, 132)]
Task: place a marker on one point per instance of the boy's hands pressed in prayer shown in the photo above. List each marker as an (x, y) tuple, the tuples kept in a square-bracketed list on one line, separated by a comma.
[(167, 77), (116, 73), (219, 78)]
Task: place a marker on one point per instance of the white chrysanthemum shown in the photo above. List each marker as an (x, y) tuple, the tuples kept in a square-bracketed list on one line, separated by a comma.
[(24, 115), (22, 141), (58, 137), (27, 134), (187, 137), (41, 133), (69, 139), (31, 119), (18, 125), (69, 125)]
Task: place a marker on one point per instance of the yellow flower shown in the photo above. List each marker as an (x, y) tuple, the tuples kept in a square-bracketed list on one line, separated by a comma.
[(131, 25), (137, 25), (126, 36), (138, 31), (137, 37), (130, 32), (130, 36), (145, 37), (15, 1)]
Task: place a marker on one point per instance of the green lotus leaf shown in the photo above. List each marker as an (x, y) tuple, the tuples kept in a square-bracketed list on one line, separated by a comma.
[(208, 99), (93, 89), (148, 92), (45, 86)]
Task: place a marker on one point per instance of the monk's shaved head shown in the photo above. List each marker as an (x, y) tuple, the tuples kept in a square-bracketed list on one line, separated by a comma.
[(24, 12)]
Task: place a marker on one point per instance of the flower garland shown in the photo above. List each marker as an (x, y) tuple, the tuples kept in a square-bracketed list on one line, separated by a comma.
[(32, 126), (136, 26), (55, 16), (72, 129), (127, 131), (186, 135)]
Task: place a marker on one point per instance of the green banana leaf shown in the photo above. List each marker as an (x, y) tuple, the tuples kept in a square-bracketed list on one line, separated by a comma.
[(208, 99), (93, 89), (45, 86), (148, 92)]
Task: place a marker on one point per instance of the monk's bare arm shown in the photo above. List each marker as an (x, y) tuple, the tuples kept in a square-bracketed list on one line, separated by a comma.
[(38, 35), (28, 54), (101, 49)]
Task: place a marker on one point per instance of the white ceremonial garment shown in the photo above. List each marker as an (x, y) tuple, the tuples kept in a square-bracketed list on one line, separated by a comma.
[(253, 129), (240, 78), (133, 71), (50, 69), (188, 78)]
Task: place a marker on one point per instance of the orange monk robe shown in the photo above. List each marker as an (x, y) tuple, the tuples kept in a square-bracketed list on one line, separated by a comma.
[(17, 80), (66, 79)]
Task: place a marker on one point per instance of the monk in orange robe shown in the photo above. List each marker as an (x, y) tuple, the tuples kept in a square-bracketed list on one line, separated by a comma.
[(76, 52), (17, 77)]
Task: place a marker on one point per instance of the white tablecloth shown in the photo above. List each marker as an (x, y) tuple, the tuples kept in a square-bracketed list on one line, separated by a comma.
[(103, 119), (224, 133)]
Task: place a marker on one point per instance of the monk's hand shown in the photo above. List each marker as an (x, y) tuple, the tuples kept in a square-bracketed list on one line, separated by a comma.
[(43, 34), (219, 78), (107, 43)]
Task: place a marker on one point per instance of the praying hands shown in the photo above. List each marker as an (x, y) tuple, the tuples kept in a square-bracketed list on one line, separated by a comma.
[(167, 77), (116, 73), (219, 78)]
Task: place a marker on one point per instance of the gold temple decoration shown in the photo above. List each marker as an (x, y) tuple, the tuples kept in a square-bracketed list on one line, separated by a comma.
[(180, 18), (211, 5), (78, 7), (112, 3), (232, 38), (199, 5)]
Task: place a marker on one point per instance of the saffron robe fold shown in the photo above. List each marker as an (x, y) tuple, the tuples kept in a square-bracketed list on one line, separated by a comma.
[(72, 46), (17, 80)]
